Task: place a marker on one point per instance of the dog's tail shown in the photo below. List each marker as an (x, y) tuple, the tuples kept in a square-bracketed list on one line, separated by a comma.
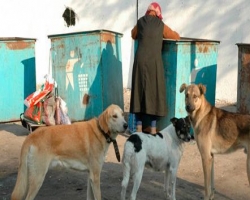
[(21, 186), (126, 164)]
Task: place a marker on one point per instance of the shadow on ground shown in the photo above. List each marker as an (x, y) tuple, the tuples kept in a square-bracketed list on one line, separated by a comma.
[(67, 184), (15, 128)]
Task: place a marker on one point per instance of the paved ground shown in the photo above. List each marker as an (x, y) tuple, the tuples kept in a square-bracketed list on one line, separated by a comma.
[(230, 173)]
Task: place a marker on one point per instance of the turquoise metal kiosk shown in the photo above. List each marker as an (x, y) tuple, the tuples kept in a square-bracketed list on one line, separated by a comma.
[(188, 61), (87, 67)]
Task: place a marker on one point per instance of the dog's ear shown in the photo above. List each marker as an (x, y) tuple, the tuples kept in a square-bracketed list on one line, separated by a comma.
[(103, 121), (202, 88), (183, 87), (173, 120)]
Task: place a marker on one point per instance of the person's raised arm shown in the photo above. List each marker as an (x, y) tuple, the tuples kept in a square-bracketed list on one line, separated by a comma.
[(168, 33), (134, 32)]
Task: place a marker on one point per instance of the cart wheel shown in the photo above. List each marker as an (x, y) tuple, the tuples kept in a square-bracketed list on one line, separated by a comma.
[(24, 123)]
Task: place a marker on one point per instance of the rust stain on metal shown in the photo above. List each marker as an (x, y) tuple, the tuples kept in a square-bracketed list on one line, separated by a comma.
[(107, 37), (85, 99), (205, 47), (18, 45), (244, 75), (61, 46), (246, 59), (60, 43)]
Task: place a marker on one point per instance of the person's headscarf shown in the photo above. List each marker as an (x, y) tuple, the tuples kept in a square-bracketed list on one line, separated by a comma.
[(155, 7)]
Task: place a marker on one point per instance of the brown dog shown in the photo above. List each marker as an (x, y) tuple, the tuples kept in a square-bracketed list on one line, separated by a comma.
[(80, 146), (216, 131)]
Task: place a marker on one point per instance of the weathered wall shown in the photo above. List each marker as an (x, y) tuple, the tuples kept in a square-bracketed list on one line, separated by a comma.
[(224, 20)]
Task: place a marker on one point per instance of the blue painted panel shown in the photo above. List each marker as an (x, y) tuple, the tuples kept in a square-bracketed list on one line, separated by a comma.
[(18, 76), (204, 68), (88, 69), (112, 71), (176, 61)]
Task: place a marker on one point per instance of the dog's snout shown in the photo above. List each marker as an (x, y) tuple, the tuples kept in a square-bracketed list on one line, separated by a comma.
[(187, 138), (125, 126), (189, 108)]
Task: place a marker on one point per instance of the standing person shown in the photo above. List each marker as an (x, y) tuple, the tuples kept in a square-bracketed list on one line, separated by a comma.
[(148, 92)]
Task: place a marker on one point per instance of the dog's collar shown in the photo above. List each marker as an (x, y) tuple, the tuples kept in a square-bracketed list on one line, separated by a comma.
[(109, 140)]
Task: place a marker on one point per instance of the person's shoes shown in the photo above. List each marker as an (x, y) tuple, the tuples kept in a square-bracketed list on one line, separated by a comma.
[(147, 130)]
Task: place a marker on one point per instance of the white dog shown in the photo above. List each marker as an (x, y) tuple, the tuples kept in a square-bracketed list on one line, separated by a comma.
[(162, 151)]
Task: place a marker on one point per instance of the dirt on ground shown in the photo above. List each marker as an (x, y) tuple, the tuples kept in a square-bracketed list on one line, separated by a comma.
[(230, 172)]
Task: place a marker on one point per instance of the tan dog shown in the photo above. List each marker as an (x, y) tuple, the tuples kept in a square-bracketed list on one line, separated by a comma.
[(216, 131), (80, 146)]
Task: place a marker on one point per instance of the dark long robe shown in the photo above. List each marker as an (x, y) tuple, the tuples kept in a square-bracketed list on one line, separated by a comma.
[(148, 92)]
